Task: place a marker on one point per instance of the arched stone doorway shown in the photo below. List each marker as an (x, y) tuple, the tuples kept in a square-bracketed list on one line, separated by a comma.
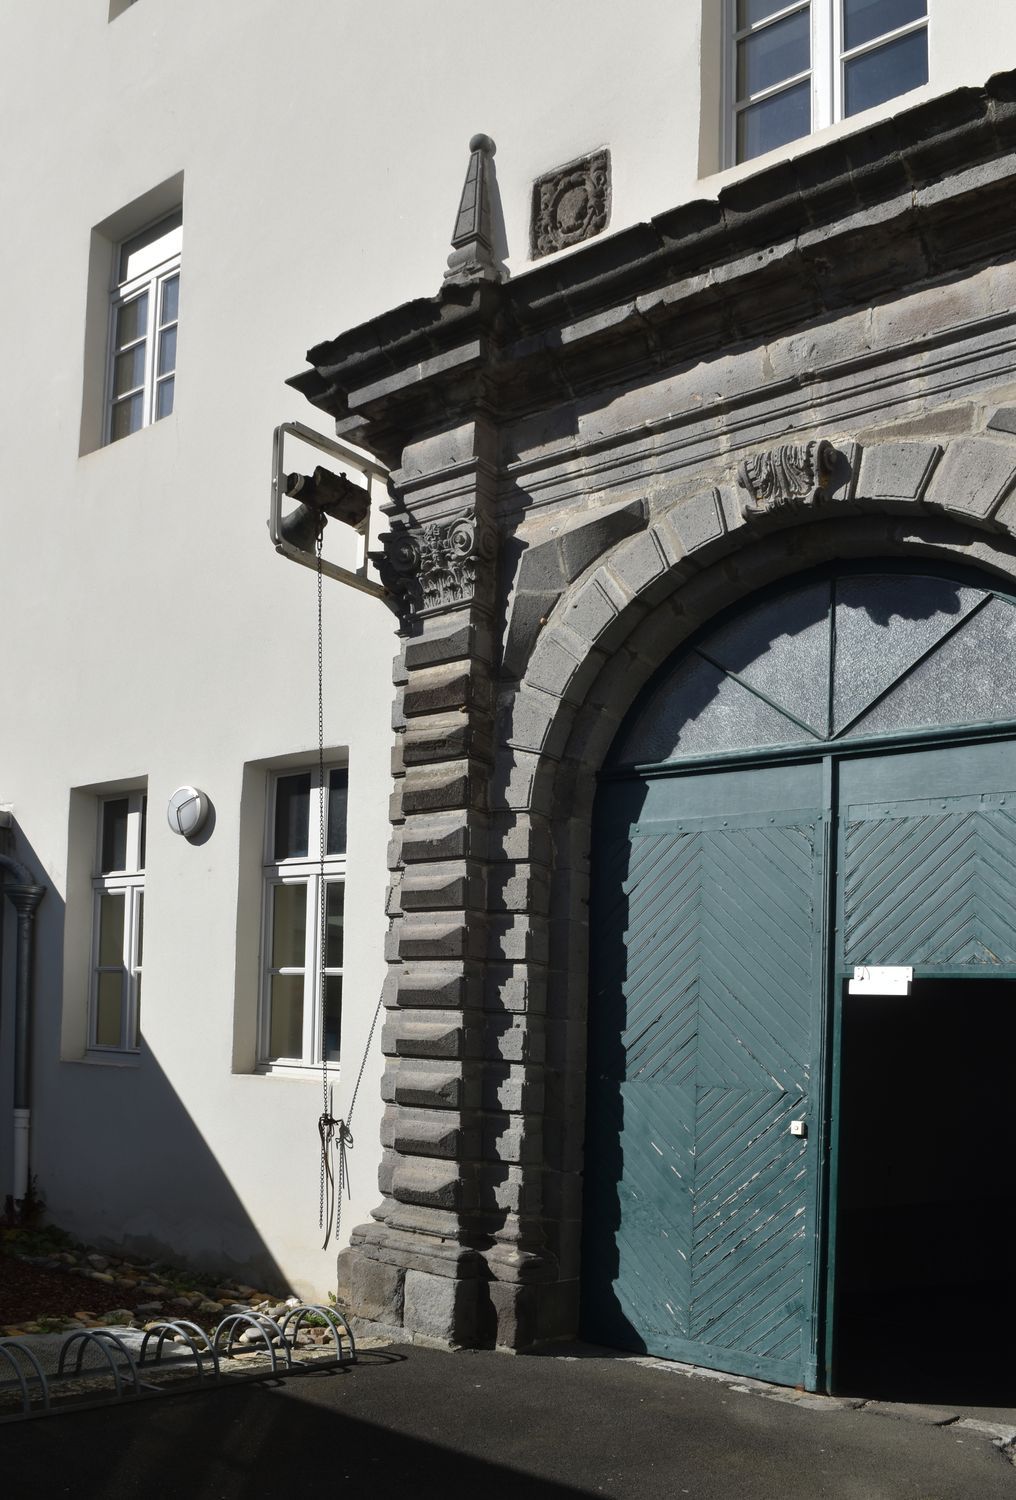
[(821, 779)]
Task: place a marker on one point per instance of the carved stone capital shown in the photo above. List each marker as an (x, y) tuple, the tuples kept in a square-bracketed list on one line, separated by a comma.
[(792, 477), (435, 566)]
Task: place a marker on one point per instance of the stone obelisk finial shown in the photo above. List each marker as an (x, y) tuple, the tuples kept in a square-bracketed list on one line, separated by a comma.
[(472, 257)]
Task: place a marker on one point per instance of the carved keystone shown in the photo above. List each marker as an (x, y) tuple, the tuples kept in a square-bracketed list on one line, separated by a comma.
[(792, 477)]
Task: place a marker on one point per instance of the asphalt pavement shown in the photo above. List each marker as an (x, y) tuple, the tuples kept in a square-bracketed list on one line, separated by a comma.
[(415, 1423)]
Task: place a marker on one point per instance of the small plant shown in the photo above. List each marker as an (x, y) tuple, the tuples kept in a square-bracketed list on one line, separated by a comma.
[(32, 1208)]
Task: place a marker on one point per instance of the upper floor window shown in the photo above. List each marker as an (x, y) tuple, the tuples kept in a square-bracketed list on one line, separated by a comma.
[(797, 66), (304, 889), (143, 327), (118, 908)]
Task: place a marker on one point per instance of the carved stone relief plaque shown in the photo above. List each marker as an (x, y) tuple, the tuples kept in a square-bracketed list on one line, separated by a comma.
[(570, 204)]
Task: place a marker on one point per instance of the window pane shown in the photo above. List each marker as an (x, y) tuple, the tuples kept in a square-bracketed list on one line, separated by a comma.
[(333, 1016), (164, 398), (107, 1010), (144, 833), (114, 835), (782, 649), (167, 351), (111, 913), (751, 11), (773, 54), (292, 816), (698, 711), (286, 1039), (151, 247), (334, 902), (289, 926), (338, 797), (772, 122), (886, 72), (863, 20), (170, 300), (131, 320), (126, 417), (136, 1039), (129, 370), (884, 623), (970, 679)]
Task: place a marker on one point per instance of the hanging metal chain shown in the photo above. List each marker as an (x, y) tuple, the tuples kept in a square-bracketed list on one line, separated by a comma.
[(331, 1130), (326, 1121)]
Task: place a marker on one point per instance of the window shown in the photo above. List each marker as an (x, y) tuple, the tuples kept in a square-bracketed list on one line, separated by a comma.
[(118, 896), (143, 328), (797, 66), (300, 899)]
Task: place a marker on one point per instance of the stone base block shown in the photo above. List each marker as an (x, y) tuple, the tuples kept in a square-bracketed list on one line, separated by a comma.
[(404, 1303), (344, 1275), (510, 1315), (518, 1316), (376, 1290), (442, 1308), (557, 1311)]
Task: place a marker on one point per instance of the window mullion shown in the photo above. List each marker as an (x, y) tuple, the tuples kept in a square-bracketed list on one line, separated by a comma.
[(151, 353), (130, 938), (311, 994), (93, 978), (264, 1010), (825, 32), (314, 1038)]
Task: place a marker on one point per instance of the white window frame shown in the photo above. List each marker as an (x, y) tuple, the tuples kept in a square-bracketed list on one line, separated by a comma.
[(130, 882), (827, 70), (304, 871), (152, 280)]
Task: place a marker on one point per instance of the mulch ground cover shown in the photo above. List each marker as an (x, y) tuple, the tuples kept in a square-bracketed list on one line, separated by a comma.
[(28, 1293), (49, 1280)]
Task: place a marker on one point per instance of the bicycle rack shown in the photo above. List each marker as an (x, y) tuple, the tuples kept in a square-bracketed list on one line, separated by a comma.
[(175, 1355)]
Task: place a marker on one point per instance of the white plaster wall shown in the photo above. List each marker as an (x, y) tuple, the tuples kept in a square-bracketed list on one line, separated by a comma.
[(151, 630)]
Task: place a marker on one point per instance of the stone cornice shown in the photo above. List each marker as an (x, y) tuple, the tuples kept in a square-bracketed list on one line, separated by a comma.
[(924, 195)]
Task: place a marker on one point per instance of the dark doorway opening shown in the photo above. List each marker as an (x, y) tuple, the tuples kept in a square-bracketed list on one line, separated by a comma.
[(925, 1224)]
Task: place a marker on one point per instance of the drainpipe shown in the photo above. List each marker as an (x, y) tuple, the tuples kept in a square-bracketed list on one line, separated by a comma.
[(25, 896)]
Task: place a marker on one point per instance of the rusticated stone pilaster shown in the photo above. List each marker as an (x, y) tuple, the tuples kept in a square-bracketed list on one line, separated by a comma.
[(461, 1171)]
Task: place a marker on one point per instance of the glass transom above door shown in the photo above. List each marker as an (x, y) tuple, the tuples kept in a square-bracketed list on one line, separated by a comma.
[(863, 654)]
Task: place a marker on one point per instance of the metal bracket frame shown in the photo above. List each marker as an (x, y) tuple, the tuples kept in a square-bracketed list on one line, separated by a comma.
[(356, 579)]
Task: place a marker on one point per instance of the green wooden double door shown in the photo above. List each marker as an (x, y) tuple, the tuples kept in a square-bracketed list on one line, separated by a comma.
[(728, 907)]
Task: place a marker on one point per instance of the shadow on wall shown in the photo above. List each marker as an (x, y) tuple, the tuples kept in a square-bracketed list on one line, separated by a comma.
[(604, 1314), (117, 1158)]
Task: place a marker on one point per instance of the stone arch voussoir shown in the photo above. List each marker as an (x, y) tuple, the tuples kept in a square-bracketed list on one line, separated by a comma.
[(615, 624)]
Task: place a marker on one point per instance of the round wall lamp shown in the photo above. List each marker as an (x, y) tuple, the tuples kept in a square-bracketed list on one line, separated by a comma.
[(188, 811)]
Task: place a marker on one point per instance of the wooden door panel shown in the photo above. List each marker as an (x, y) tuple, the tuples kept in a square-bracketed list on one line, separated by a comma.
[(707, 977), (928, 882)]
